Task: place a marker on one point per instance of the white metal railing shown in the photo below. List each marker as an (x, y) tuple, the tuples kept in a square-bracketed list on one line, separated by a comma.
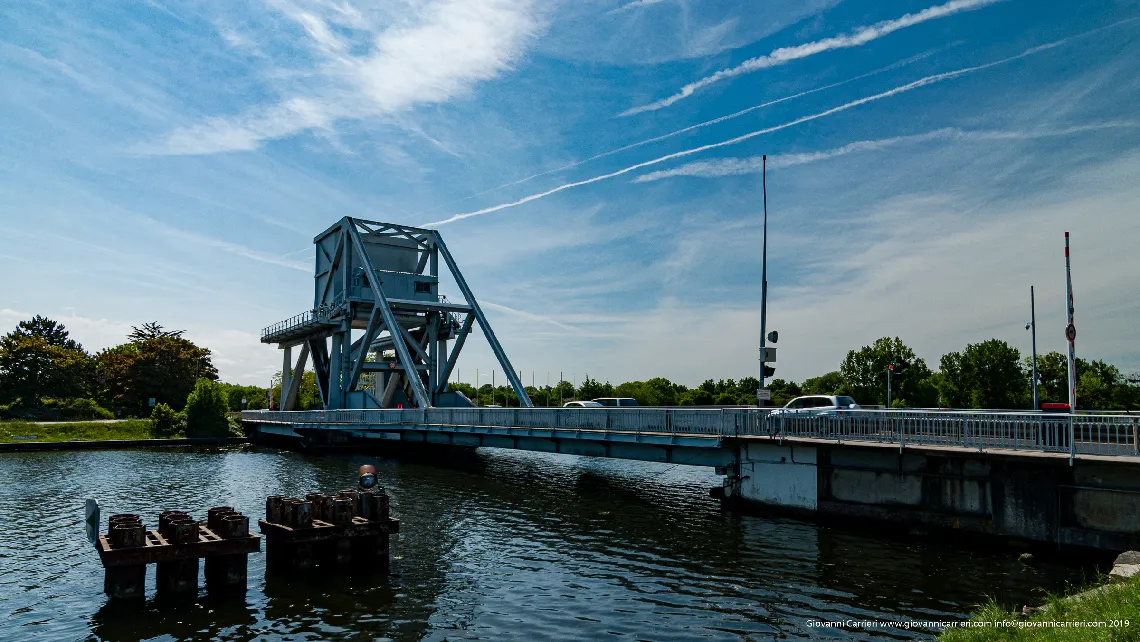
[(1109, 434)]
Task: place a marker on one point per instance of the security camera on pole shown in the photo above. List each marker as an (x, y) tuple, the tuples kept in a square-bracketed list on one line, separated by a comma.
[(1071, 331)]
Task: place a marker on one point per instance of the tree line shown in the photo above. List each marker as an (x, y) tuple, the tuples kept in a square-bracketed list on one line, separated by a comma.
[(45, 374), (989, 374)]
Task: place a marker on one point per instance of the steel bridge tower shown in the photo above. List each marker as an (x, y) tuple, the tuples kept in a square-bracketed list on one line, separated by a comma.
[(381, 282)]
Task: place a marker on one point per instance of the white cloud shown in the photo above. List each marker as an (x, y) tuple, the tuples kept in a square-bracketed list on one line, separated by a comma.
[(754, 164), (784, 55), (637, 4), (366, 64)]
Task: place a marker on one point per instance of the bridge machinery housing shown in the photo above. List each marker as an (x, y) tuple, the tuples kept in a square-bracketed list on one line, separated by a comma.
[(379, 330)]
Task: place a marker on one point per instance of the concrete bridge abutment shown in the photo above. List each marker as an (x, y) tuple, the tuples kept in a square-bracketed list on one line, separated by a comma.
[(1091, 502)]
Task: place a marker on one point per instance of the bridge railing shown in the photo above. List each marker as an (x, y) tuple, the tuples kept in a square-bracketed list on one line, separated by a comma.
[(318, 315), (1108, 434)]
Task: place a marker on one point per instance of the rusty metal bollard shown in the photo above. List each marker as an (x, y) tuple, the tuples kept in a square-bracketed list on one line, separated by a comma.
[(382, 506), (228, 573), (302, 515), (349, 494), (125, 582), (178, 578), (365, 504), (214, 517), (342, 512), (289, 511), (273, 506)]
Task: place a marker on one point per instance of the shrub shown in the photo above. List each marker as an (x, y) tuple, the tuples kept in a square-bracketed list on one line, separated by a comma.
[(207, 410), (237, 429), (166, 420), (74, 410)]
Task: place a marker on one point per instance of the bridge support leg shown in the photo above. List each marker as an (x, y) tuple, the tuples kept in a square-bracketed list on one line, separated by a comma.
[(336, 391), (286, 369), (776, 475)]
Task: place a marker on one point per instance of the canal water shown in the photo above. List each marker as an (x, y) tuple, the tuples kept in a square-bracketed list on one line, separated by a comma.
[(494, 545)]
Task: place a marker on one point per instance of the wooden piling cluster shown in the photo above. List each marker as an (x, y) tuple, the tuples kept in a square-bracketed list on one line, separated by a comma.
[(174, 548), (348, 527)]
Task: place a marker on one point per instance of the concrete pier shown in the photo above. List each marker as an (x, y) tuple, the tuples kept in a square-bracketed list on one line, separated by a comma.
[(1041, 497)]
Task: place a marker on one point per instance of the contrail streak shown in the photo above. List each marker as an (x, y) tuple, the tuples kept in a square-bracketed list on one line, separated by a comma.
[(755, 164), (721, 119), (922, 82), (860, 36)]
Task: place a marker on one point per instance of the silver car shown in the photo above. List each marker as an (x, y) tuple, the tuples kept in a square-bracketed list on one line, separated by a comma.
[(814, 405)]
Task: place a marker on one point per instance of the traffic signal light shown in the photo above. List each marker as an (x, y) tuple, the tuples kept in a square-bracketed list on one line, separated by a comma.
[(769, 371)]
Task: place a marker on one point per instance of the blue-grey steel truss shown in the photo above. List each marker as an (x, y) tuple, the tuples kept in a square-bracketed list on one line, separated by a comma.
[(381, 280)]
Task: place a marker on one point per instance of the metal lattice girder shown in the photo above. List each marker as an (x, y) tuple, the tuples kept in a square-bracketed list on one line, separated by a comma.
[(390, 321), (500, 354)]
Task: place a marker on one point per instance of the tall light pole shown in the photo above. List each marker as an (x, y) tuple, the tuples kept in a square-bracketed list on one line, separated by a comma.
[(1071, 332), (1032, 327), (763, 277)]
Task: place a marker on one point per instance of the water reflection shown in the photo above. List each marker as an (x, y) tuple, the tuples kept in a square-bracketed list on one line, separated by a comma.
[(494, 544)]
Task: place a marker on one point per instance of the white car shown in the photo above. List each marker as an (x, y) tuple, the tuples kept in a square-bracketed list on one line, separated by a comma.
[(617, 401), (814, 405), (582, 404)]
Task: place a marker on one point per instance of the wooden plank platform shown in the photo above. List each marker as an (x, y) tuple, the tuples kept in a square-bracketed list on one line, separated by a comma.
[(158, 549), (322, 531)]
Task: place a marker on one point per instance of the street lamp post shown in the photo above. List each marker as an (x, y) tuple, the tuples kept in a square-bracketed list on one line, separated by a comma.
[(890, 387), (763, 278), (1032, 327)]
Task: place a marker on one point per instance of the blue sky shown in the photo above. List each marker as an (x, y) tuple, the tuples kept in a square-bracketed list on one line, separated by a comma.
[(593, 166)]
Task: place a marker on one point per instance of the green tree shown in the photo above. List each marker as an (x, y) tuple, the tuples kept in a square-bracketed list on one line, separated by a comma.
[(783, 391), (207, 410), (562, 393), (746, 391), (984, 375), (254, 396), (1100, 386), (657, 391), (38, 359), (825, 384), (695, 397), (166, 421), (1052, 377), (592, 389), (308, 394), (864, 372), (156, 364)]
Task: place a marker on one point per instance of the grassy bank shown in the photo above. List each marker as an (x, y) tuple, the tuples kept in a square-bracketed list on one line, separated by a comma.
[(82, 430), (1110, 612)]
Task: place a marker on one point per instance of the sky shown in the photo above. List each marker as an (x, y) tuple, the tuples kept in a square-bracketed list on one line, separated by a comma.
[(593, 165)]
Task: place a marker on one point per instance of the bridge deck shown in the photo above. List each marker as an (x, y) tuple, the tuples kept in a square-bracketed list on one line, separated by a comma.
[(1069, 435)]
